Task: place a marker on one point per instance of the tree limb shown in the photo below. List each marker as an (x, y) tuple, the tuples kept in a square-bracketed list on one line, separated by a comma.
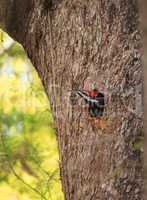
[(14, 16)]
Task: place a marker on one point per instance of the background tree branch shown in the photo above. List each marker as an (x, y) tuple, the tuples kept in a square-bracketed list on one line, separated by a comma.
[(14, 16)]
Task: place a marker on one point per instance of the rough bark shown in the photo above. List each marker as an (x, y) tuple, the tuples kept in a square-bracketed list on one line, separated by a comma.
[(143, 25), (74, 44)]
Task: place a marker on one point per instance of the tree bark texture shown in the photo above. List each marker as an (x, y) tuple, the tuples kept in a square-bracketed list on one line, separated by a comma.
[(143, 25), (75, 44)]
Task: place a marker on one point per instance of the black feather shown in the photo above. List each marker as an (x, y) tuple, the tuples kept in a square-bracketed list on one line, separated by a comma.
[(96, 104), (97, 109)]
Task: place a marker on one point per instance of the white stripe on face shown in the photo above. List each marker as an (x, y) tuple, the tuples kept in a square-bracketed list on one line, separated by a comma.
[(85, 96)]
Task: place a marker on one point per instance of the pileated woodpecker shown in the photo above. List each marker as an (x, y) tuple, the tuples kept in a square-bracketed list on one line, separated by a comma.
[(96, 102)]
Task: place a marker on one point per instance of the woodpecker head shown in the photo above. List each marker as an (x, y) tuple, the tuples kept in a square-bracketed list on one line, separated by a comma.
[(95, 99), (88, 95), (92, 93)]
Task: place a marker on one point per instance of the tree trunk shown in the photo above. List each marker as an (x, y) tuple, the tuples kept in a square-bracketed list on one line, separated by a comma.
[(143, 12), (75, 44)]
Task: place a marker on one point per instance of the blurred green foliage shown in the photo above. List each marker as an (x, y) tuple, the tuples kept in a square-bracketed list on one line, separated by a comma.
[(29, 160)]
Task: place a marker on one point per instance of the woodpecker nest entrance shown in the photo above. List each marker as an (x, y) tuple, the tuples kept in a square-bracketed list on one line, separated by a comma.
[(96, 106)]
